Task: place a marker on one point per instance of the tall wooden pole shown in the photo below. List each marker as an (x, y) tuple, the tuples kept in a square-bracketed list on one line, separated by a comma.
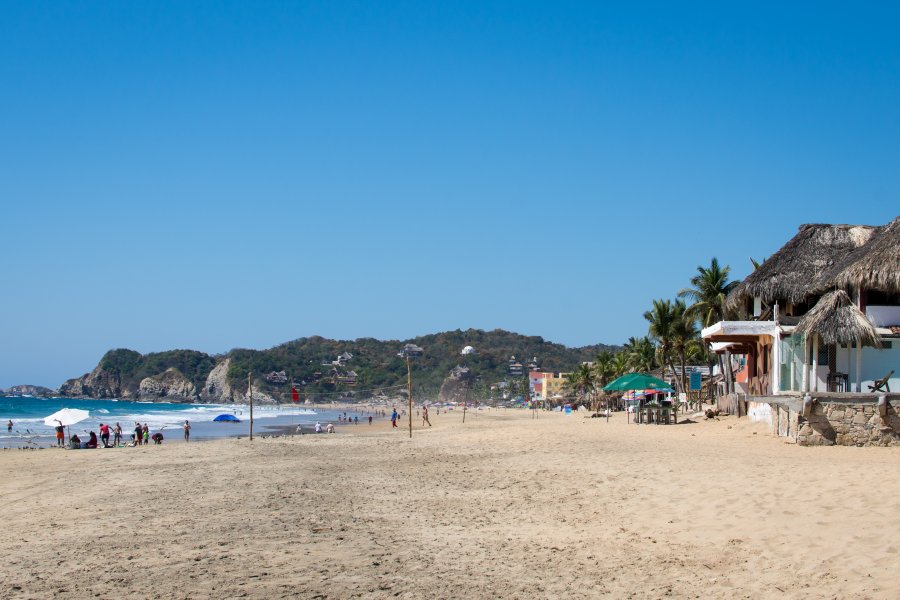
[(409, 390), (250, 393)]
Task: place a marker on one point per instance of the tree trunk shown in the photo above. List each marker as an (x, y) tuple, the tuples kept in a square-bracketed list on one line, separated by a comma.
[(729, 374), (678, 384)]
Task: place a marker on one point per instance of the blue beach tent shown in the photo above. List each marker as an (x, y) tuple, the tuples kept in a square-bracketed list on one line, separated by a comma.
[(227, 419)]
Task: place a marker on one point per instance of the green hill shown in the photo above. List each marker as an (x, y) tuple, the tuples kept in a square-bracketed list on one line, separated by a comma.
[(307, 361)]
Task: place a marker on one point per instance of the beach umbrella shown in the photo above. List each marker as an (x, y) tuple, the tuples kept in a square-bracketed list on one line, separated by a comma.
[(636, 381), (227, 419), (66, 416)]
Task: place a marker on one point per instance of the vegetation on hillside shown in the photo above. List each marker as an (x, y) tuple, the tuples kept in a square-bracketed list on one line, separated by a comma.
[(378, 364), (131, 367), (307, 362)]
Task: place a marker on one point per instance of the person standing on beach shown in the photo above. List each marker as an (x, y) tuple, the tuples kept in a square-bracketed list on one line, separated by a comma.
[(370, 419), (60, 434), (187, 431), (9, 426), (146, 431), (138, 434), (425, 416), (104, 435), (117, 435), (394, 419)]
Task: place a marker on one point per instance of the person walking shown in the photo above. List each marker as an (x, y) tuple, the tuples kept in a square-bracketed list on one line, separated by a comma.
[(394, 419), (425, 416), (104, 435), (187, 431), (117, 435), (9, 426)]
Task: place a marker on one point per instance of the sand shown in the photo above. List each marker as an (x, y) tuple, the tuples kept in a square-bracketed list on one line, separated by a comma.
[(502, 506)]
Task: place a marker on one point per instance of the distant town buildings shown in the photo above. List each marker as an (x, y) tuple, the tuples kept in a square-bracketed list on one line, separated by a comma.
[(411, 350), (277, 377)]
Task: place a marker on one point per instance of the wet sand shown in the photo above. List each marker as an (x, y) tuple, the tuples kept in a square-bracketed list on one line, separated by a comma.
[(502, 506)]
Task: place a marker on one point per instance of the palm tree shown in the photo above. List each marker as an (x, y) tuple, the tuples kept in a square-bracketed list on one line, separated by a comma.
[(640, 354), (581, 380), (663, 319), (620, 364), (604, 368), (684, 336), (710, 287)]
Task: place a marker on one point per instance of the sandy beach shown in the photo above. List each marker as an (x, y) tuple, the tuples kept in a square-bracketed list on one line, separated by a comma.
[(503, 506)]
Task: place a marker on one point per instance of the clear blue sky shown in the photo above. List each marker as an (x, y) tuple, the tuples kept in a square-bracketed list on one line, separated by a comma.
[(239, 174)]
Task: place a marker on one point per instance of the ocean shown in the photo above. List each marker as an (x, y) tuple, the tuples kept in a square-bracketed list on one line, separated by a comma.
[(27, 415)]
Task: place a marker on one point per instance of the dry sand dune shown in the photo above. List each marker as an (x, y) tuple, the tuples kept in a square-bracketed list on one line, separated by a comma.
[(502, 506)]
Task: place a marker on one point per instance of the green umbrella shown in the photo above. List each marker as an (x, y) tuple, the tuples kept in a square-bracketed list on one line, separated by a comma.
[(636, 381)]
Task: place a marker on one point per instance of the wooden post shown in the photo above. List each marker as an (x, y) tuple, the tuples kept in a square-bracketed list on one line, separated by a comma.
[(775, 364), (815, 364), (250, 393), (804, 374), (849, 386), (409, 391)]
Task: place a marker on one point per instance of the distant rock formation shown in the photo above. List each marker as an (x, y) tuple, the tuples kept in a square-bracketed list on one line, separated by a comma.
[(217, 388), (99, 383), (457, 386), (37, 391), (170, 385)]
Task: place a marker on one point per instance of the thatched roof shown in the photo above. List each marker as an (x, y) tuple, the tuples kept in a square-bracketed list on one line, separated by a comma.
[(877, 264), (838, 321), (806, 265)]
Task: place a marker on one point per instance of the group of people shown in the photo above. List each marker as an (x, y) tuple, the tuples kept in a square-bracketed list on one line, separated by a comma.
[(345, 418), (318, 428), (395, 417), (140, 436)]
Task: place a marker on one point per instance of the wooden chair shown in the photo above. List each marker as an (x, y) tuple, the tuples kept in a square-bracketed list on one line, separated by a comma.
[(881, 384)]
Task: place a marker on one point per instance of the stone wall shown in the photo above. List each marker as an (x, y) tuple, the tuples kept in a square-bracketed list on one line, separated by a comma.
[(849, 424)]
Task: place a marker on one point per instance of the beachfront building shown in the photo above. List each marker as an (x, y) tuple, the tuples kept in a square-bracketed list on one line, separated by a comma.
[(535, 384), (820, 339), (553, 386)]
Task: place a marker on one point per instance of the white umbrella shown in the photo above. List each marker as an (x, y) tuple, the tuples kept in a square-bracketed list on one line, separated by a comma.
[(66, 416)]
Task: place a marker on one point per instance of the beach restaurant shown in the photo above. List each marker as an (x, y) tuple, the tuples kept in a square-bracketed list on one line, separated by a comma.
[(820, 337)]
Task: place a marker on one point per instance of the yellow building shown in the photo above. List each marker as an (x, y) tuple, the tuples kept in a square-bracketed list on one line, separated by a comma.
[(553, 384)]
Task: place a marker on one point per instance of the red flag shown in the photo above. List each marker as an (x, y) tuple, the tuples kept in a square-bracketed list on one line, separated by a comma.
[(294, 395)]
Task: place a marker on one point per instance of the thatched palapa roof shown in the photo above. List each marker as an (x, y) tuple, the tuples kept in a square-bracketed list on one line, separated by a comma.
[(804, 266), (877, 264), (838, 321)]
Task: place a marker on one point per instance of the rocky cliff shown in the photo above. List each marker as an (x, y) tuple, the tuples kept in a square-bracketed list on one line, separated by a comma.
[(217, 388), (169, 386), (457, 386), (99, 383)]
